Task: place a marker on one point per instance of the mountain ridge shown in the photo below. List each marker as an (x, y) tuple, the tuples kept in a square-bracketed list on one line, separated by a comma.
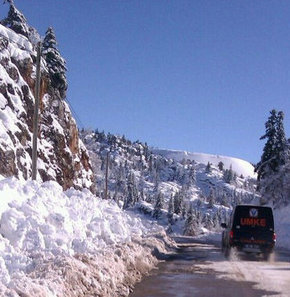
[(242, 167)]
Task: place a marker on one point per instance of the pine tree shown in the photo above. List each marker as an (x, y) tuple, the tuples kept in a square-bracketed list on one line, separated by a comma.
[(192, 176), (229, 175), (281, 142), (207, 221), (170, 212), (273, 160), (208, 167), (120, 179), (158, 206), (225, 200), (221, 166), (268, 162), (178, 200), (132, 195), (190, 225), (211, 198), (183, 210), (17, 22), (55, 63)]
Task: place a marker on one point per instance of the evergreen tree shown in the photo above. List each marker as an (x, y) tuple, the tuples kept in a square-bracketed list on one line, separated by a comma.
[(221, 166), (170, 212), (192, 176), (225, 200), (281, 142), (132, 195), (142, 196), (158, 206), (208, 167), (270, 158), (273, 160), (190, 225), (120, 179), (55, 63), (229, 175), (17, 22), (149, 199), (178, 200), (183, 209), (211, 198), (207, 221), (215, 220)]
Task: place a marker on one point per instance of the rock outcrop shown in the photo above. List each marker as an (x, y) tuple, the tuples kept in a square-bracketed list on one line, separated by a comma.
[(61, 154)]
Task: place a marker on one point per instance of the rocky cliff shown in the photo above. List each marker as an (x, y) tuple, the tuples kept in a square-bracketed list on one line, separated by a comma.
[(61, 154)]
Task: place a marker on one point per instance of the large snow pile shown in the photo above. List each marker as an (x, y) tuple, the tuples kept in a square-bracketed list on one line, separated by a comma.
[(238, 165), (49, 237), (282, 226)]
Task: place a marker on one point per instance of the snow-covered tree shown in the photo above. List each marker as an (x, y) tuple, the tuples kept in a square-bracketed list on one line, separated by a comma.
[(17, 22), (120, 180), (225, 200), (208, 167), (132, 195), (192, 176), (229, 175), (55, 63), (190, 225), (281, 142), (183, 210), (207, 221), (274, 146), (221, 166), (170, 212), (159, 204), (178, 200), (273, 160), (211, 198)]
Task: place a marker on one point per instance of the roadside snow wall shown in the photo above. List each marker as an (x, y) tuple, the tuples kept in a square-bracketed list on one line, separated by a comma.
[(55, 243)]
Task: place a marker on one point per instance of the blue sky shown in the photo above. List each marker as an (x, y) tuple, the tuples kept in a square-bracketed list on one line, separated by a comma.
[(199, 76)]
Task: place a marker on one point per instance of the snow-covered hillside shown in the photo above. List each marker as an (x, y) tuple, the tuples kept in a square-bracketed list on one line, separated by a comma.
[(139, 176), (241, 167)]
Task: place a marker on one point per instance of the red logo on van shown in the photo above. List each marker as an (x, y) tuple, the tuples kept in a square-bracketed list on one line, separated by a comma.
[(253, 222)]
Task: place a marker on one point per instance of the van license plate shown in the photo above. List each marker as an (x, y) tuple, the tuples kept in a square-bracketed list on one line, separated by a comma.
[(251, 246)]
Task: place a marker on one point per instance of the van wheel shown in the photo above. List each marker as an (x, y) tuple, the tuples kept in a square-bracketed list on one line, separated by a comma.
[(266, 256), (223, 247), (227, 251)]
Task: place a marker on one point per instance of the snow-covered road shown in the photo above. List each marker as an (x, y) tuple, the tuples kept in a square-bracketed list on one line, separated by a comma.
[(200, 269)]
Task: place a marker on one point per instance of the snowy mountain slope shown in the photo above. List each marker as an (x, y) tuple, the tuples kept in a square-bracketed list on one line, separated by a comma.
[(61, 155), (241, 167), (137, 174)]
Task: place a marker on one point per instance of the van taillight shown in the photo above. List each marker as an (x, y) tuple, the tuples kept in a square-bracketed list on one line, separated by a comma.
[(274, 236), (231, 234)]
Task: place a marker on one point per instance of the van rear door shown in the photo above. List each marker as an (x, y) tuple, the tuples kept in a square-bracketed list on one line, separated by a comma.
[(253, 225)]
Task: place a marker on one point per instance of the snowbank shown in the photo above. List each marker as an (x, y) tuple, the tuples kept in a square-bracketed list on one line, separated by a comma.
[(56, 243), (282, 227)]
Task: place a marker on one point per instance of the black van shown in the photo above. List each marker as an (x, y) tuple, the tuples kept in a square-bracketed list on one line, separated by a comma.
[(251, 230)]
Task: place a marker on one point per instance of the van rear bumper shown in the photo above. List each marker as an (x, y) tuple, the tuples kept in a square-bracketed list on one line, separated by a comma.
[(254, 247)]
